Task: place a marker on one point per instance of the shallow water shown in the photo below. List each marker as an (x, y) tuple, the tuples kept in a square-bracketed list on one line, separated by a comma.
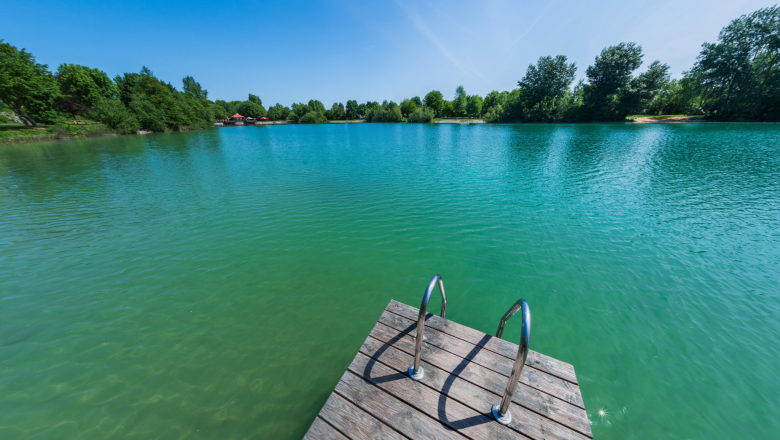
[(216, 284)]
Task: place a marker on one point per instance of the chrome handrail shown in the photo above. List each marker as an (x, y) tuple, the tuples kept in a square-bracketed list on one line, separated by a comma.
[(501, 410), (415, 370)]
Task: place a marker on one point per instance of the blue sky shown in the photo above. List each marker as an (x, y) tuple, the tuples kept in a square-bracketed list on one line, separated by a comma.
[(338, 50)]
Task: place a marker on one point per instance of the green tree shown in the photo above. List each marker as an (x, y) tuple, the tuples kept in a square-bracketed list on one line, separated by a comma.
[(316, 106), (114, 114), (636, 98), (422, 114), (388, 113), (546, 88), (27, 87), (417, 101), (193, 88), (251, 109), (83, 87), (460, 102), (609, 75), (158, 106), (493, 99), (435, 101), (313, 117), (474, 106), (739, 76), (337, 111), (278, 112), (255, 99), (218, 111), (408, 107), (447, 110), (352, 110)]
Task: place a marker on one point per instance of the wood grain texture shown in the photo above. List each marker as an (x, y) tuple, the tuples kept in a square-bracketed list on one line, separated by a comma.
[(438, 407), (543, 404), (391, 411), (537, 360), (354, 422), (466, 372), (319, 430), (484, 387), (532, 377)]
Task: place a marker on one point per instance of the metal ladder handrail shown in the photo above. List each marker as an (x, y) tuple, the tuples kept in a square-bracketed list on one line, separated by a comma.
[(415, 370), (501, 410)]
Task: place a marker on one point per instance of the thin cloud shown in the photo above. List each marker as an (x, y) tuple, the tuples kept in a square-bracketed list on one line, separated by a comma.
[(425, 30), (530, 28)]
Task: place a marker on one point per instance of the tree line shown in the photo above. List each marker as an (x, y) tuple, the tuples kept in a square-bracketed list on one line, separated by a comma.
[(736, 78)]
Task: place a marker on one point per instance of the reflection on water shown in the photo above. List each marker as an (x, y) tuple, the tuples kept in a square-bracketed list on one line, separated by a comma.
[(218, 283)]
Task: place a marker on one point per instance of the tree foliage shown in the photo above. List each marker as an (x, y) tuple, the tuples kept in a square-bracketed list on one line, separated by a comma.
[(115, 115), (422, 114), (27, 87), (460, 102), (82, 88), (193, 88), (474, 106), (434, 100), (278, 112), (738, 78)]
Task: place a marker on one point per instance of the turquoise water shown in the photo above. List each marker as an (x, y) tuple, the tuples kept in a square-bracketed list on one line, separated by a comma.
[(216, 284)]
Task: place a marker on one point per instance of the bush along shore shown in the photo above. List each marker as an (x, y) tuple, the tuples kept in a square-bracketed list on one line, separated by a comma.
[(735, 79)]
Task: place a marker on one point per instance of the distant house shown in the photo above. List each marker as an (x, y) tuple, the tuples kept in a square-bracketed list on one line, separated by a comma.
[(236, 119)]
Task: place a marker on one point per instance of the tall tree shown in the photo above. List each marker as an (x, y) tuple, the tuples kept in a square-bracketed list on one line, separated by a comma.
[(251, 109), (278, 112), (610, 74), (739, 76), (408, 107), (460, 102), (474, 106), (193, 88), (642, 89), (82, 88), (316, 106), (337, 110), (435, 101), (26, 86), (549, 79), (352, 109), (255, 99)]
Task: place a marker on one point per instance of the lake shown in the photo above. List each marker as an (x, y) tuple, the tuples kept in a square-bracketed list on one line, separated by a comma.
[(216, 284)]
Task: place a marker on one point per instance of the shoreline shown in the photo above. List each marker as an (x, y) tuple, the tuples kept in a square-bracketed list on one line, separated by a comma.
[(637, 120)]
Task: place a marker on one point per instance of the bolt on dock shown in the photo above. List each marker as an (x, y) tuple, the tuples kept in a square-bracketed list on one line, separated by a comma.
[(464, 387)]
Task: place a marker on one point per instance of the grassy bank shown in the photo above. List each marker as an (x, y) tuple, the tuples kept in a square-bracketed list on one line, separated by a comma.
[(15, 133)]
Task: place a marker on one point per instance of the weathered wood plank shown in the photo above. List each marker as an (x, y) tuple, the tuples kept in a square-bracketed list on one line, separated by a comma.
[(524, 421), (450, 412), (532, 377), (393, 412), (319, 430), (505, 348), (356, 423), (549, 414)]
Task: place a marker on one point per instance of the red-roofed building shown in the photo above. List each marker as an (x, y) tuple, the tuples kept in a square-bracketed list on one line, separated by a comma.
[(236, 119)]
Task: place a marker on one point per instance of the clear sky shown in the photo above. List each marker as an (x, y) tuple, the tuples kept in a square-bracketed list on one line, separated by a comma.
[(338, 50)]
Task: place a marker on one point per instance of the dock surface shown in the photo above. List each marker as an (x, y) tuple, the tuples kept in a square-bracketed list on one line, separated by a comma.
[(466, 372)]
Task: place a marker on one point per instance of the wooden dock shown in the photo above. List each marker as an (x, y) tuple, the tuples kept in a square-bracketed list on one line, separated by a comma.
[(466, 372)]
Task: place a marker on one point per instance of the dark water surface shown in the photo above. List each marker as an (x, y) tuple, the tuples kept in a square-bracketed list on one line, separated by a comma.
[(216, 284)]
